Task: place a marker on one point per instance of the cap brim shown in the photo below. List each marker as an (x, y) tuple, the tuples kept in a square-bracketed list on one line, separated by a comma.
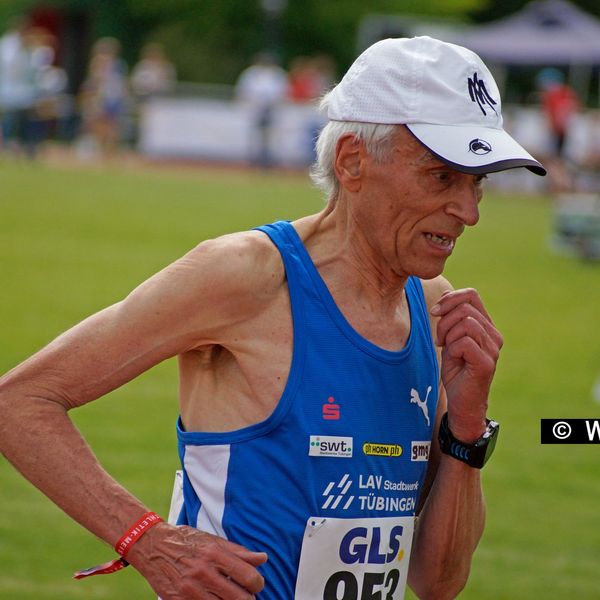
[(472, 149)]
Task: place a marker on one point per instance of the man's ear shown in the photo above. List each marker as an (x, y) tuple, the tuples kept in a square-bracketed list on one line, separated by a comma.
[(349, 153)]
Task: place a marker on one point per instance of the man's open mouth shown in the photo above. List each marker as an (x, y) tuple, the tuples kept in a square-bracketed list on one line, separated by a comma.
[(440, 239)]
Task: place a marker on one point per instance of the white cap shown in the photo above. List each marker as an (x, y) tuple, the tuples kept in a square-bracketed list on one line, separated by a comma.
[(442, 92)]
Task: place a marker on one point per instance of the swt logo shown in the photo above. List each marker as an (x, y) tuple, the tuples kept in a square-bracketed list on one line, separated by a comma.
[(330, 445)]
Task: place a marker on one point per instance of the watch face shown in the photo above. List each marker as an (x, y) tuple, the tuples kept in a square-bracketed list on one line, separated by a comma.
[(491, 443)]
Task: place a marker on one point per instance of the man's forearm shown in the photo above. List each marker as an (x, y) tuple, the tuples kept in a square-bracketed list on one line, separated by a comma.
[(39, 439), (449, 529)]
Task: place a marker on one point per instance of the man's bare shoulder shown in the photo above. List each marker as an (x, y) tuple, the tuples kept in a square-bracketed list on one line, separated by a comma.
[(217, 284), (234, 272), (434, 288), (246, 262)]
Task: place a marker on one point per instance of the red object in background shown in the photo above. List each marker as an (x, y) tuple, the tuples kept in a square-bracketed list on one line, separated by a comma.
[(560, 104), (52, 21)]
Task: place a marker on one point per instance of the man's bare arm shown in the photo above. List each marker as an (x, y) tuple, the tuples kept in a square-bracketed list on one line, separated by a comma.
[(451, 521), (448, 530), (184, 306)]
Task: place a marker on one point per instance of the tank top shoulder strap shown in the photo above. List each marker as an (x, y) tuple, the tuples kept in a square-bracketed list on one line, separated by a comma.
[(299, 286), (416, 297), (293, 254), (278, 234), (414, 291)]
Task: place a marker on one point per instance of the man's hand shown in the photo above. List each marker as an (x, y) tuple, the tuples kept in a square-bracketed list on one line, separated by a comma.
[(182, 563), (470, 349)]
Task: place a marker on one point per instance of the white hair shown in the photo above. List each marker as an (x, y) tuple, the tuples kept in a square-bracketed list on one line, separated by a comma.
[(376, 137)]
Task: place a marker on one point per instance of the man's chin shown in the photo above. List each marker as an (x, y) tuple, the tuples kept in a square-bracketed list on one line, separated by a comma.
[(430, 271)]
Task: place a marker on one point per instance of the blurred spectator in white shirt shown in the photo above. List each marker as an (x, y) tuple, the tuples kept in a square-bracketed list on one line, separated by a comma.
[(154, 74), (262, 86)]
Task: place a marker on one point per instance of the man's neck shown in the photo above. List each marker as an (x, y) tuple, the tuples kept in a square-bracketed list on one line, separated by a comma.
[(350, 266)]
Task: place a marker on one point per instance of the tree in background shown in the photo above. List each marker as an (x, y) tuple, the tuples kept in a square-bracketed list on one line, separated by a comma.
[(214, 40)]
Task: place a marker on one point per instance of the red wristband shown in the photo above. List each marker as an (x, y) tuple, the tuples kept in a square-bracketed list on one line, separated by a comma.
[(130, 537), (135, 532)]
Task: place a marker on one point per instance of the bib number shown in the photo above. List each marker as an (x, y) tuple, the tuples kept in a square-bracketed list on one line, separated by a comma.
[(343, 585), (354, 559)]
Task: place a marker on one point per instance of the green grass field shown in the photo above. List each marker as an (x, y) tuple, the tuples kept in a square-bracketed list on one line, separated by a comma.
[(74, 240)]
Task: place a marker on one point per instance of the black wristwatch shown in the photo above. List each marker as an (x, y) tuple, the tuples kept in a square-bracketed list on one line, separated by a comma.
[(475, 454)]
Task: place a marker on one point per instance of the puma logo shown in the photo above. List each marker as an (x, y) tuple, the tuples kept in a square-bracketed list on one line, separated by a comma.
[(422, 404)]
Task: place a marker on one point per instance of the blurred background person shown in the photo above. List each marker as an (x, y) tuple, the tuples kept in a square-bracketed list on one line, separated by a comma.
[(262, 87), (309, 79), (51, 102), (560, 104), (154, 74), (104, 99), (17, 89), (303, 80), (324, 66)]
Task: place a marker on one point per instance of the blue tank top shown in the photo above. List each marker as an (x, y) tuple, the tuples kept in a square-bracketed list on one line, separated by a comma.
[(335, 472)]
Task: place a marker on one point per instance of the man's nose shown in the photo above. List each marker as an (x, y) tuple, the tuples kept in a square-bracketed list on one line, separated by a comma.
[(465, 205)]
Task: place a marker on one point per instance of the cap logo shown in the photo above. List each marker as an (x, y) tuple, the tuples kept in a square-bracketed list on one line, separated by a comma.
[(479, 93), (480, 147)]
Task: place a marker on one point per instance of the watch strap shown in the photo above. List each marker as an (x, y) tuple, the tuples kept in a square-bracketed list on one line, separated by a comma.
[(475, 454)]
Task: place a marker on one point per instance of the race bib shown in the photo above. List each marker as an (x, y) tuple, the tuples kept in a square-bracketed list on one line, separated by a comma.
[(354, 559)]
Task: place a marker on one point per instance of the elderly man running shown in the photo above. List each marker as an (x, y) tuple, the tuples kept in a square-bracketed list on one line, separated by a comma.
[(334, 387)]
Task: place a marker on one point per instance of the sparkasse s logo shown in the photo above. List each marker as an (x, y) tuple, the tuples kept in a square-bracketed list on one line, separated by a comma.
[(331, 410), (330, 445)]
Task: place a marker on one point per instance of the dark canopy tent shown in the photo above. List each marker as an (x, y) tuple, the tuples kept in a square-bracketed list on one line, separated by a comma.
[(544, 32)]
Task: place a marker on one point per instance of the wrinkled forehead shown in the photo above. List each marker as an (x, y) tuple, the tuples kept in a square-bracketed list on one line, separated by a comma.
[(413, 151)]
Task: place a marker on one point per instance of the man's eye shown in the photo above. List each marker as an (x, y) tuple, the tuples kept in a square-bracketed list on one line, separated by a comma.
[(442, 176)]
